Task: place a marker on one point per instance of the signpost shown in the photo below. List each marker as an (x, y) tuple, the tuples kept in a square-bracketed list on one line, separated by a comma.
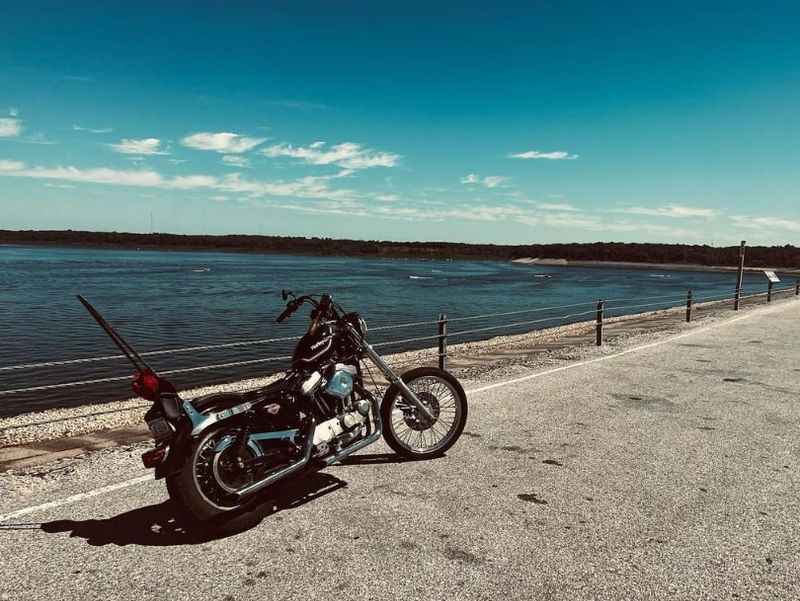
[(773, 279)]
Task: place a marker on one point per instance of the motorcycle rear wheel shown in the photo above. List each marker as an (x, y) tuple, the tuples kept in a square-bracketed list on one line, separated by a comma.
[(407, 431), (205, 483)]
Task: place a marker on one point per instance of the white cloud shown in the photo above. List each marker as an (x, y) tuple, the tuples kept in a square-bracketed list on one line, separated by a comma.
[(235, 161), (145, 146), (10, 128), (556, 206), (490, 181), (191, 182), (766, 223), (11, 165), (674, 211), (306, 187), (102, 130), (64, 186), (13, 111), (557, 155), (387, 197), (224, 142), (101, 175), (347, 155)]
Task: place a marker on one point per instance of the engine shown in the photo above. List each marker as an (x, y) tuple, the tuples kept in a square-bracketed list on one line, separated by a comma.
[(341, 417)]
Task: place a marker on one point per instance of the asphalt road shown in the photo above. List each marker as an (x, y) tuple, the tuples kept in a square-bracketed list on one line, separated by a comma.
[(670, 471)]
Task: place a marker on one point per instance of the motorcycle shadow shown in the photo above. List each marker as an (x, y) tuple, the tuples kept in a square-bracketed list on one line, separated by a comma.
[(162, 525)]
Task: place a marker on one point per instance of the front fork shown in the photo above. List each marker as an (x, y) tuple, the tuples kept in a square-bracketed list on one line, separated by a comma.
[(393, 378)]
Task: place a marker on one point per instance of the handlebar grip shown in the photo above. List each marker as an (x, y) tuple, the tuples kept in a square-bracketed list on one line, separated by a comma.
[(286, 313)]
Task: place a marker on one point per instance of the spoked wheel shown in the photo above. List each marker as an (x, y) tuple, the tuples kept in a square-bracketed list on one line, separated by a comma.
[(410, 432), (214, 471)]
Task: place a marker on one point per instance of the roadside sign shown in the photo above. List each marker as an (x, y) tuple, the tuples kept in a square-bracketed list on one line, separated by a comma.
[(772, 277)]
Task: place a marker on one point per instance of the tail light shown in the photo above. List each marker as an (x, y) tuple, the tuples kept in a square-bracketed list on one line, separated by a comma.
[(146, 385), (149, 386)]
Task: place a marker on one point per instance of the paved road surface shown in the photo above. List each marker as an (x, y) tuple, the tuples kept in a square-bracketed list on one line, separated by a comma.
[(668, 472)]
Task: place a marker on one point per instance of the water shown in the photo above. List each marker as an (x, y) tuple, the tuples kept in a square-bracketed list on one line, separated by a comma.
[(160, 299)]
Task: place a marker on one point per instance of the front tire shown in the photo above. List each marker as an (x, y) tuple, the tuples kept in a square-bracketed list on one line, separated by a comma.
[(408, 432)]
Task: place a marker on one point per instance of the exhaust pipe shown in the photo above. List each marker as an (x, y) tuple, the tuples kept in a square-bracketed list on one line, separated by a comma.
[(290, 469)]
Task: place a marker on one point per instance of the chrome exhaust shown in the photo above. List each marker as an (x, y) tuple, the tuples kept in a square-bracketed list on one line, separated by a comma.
[(283, 472)]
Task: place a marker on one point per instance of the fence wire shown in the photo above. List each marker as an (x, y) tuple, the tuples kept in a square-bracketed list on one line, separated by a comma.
[(662, 302)]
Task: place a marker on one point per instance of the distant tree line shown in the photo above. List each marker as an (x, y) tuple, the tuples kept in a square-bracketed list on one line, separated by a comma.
[(773, 256)]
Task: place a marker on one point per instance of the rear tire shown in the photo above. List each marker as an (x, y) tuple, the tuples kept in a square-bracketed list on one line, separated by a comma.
[(195, 489), (414, 436)]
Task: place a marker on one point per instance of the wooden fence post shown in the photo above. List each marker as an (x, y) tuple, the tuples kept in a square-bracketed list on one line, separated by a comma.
[(769, 292), (600, 305), (689, 306), (442, 341)]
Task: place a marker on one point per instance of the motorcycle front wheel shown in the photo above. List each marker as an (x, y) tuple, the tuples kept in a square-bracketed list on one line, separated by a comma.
[(407, 430)]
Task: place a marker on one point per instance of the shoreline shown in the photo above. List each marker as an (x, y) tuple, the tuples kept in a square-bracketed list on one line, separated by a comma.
[(545, 262), (477, 362), (656, 266), (616, 254)]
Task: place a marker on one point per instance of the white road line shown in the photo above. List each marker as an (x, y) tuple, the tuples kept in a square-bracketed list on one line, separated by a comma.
[(75, 498), (604, 357), (140, 479)]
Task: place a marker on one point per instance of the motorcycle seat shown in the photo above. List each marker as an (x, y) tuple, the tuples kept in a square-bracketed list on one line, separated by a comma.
[(220, 400)]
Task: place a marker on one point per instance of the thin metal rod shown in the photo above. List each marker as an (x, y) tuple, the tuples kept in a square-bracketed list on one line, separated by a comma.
[(740, 275)]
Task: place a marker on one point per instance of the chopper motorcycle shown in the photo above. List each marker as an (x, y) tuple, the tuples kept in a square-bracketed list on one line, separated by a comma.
[(217, 451)]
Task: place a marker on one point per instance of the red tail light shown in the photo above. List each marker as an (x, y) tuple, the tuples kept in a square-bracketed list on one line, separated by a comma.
[(146, 385)]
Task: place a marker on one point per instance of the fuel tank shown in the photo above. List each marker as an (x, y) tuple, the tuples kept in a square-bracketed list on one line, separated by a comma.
[(314, 348)]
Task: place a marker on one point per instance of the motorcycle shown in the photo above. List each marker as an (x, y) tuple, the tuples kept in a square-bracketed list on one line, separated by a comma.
[(217, 451)]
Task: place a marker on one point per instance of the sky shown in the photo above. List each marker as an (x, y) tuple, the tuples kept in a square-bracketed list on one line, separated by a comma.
[(496, 122)]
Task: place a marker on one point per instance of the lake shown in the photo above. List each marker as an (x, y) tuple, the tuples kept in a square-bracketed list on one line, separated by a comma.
[(164, 300)]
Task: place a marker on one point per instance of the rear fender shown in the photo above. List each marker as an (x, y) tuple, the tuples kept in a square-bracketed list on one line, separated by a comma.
[(199, 415)]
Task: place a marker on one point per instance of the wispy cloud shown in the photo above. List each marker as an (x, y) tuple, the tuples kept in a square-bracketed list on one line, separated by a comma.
[(102, 130), (489, 181), (233, 160), (146, 146), (13, 111), (6, 165), (556, 206), (347, 155), (223, 142), (10, 127), (306, 187), (556, 155), (673, 211), (766, 223), (62, 186)]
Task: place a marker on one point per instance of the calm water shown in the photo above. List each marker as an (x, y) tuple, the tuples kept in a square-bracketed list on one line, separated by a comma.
[(164, 300)]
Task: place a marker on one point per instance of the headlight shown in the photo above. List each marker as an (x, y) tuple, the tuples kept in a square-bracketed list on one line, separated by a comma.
[(362, 325)]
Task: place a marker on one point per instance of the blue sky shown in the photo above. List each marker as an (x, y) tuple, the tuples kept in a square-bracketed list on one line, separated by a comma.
[(486, 122)]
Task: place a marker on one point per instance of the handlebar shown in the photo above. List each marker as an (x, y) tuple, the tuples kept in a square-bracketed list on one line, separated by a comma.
[(291, 307), (322, 308)]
